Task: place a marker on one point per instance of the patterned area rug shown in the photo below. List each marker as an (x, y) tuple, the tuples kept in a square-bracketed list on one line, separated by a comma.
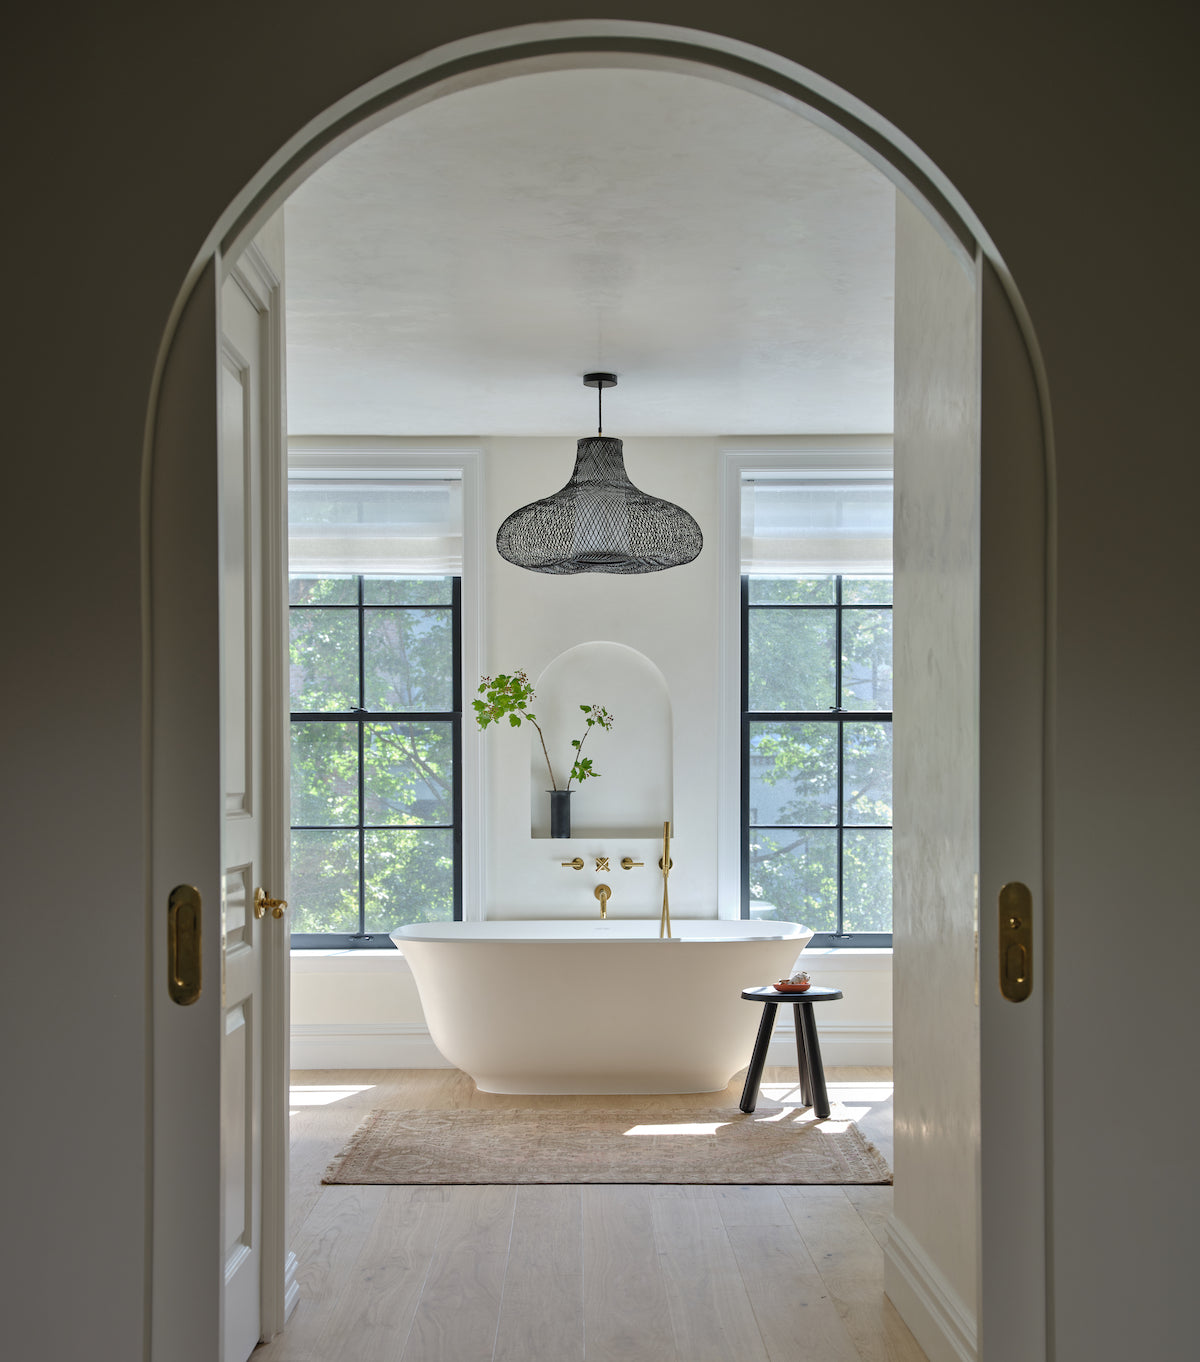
[(674, 1145)]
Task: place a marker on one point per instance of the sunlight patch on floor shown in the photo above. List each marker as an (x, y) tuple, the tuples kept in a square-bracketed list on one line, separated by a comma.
[(789, 1093), (679, 1128), (323, 1094), (841, 1118), (860, 1092)]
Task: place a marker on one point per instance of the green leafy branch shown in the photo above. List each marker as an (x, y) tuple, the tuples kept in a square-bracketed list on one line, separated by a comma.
[(507, 697), (582, 768)]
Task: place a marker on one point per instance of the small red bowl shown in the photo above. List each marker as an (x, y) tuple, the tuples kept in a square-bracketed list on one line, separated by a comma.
[(786, 986)]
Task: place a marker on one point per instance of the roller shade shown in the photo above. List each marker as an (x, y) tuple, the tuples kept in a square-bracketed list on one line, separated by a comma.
[(394, 527), (816, 526)]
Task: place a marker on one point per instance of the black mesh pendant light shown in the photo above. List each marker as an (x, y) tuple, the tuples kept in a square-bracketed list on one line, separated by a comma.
[(599, 522)]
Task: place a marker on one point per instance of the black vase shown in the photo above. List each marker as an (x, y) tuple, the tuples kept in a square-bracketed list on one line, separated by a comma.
[(560, 812)]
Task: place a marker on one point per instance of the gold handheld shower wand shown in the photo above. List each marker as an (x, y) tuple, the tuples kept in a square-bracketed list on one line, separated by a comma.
[(664, 926)]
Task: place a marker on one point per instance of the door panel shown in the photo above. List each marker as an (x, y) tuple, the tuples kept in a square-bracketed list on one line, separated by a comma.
[(933, 1262), (252, 941), (965, 1261), (218, 780), (239, 415), (242, 441), (185, 831), (237, 1143), (1015, 601)]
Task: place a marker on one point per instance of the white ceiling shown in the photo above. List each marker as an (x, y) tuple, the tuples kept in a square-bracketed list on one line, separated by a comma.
[(457, 270)]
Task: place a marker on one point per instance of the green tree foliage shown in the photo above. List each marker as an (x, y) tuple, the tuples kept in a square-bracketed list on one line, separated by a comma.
[(794, 763), (403, 811)]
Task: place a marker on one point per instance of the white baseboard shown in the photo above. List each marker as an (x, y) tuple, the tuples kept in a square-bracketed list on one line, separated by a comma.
[(400, 1045), (927, 1303), (858, 1044), (364, 1045)]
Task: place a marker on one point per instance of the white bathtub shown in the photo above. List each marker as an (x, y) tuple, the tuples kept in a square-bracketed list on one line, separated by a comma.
[(596, 1007)]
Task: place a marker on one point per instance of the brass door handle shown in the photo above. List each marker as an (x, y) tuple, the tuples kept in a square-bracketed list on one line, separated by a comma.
[(263, 901)]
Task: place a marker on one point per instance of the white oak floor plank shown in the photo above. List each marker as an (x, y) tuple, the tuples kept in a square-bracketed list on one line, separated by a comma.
[(331, 1240), (459, 1307), (874, 1206), (324, 1132), (375, 1310), (626, 1312), (568, 1274), (750, 1206), (796, 1317), (711, 1312), (850, 1262), (541, 1313)]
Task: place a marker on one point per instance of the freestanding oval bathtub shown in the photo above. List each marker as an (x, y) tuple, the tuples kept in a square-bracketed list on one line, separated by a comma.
[(596, 1007)]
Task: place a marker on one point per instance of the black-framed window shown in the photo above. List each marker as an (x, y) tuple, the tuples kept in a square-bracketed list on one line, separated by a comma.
[(376, 741), (817, 754)]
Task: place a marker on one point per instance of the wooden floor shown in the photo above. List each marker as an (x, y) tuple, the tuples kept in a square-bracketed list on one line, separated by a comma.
[(562, 1274)]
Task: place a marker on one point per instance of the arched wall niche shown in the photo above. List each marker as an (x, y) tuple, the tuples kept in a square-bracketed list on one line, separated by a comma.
[(632, 796)]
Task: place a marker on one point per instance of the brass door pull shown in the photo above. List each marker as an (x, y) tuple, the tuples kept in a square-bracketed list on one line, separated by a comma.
[(183, 944), (263, 901), (1016, 942)]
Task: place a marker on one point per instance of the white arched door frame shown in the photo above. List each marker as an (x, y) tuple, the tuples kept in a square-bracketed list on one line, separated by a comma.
[(183, 610)]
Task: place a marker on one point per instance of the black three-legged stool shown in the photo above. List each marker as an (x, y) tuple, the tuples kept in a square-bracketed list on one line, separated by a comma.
[(808, 1048)]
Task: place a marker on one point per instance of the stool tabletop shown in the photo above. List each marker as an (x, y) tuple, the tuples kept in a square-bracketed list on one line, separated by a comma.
[(768, 993)]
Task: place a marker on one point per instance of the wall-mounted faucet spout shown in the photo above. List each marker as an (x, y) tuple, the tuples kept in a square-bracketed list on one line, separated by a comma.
[(603, 893), (664, 926)]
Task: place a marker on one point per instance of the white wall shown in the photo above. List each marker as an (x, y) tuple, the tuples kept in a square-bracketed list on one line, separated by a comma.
[(357, 1009), (670, 618)]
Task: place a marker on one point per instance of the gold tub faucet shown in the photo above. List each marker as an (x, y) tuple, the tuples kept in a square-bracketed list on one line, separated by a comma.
[(664, 926), (603, 893)]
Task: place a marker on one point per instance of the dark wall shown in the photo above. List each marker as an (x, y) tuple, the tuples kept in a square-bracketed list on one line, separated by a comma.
[(1069, 128)]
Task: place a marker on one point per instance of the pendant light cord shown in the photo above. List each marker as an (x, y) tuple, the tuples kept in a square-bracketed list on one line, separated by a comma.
[(600, 382)]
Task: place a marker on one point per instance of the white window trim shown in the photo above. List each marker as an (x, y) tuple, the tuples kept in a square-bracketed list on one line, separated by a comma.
[(775, 456), (376, 456)]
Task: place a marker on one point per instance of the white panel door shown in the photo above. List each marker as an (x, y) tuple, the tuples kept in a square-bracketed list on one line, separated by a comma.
[(1014, 604), (186, 821), (962, 360), (253, 919), (242, 852), (218, 751)]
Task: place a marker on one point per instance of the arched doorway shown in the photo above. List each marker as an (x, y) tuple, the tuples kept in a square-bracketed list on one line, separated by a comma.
[(183, 586)]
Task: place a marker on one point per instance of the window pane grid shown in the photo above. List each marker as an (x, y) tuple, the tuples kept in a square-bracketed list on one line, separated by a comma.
[(782, 752), (352, 889)]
